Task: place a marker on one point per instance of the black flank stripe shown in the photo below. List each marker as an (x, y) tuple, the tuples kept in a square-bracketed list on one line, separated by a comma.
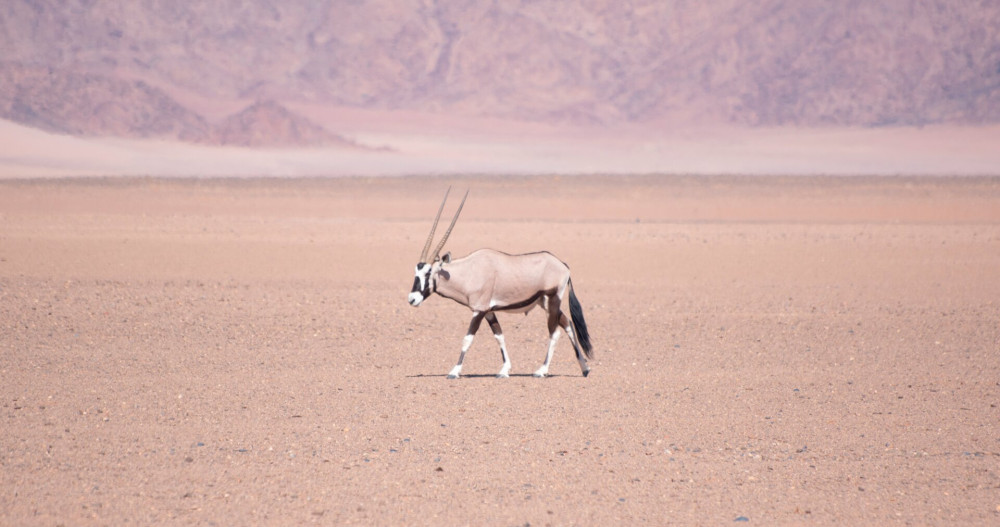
[(524, 303)]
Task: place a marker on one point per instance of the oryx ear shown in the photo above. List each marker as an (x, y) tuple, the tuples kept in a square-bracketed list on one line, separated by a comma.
[(447, 257)]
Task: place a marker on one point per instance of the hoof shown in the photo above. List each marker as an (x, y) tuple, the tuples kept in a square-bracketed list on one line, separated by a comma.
[(452, 375), (538, 374), (503, 375), (586, 372)]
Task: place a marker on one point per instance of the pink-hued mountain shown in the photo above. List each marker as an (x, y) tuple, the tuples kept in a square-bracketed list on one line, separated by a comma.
[(110, 68), (91, 104), (270, 124)]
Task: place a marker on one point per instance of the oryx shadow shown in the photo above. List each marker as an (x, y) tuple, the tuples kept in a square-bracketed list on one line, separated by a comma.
[(478, 376)]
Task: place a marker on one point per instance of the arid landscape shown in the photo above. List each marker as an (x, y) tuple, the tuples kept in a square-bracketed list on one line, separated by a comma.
[(907, 87), (154, 69), (240, 351), (782, 220)]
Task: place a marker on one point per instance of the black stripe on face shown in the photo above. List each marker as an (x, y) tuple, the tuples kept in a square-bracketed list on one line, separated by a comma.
[(422, 276)]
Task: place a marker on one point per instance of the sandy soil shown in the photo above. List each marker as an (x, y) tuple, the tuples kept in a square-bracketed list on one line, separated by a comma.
[(240, 352)]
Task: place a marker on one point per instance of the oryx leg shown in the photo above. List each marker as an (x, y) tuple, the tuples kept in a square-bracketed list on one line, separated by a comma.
[(553, 339), (477, 318), (498, 333), (564, 321)]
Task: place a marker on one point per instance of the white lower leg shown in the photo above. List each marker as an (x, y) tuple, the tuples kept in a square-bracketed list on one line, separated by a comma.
[(505, 369), (544, 370), (457, 370)]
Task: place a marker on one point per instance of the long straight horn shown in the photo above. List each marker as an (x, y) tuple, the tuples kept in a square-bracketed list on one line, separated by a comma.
[(430, 237), (440, 244)]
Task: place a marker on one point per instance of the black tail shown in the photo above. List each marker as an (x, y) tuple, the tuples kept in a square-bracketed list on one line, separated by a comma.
[(579, 324)]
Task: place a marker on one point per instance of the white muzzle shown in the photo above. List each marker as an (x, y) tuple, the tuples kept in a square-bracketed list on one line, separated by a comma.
[(415, 298)]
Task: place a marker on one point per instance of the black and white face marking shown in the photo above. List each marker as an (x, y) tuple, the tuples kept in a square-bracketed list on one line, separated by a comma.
[(421, 284)]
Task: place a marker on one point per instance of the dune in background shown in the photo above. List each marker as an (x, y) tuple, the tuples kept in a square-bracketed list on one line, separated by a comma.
[(408, 144)]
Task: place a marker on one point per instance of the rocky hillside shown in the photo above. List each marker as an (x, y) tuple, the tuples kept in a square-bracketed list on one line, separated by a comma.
[(89, 104), (65, 101), (270, 124), (771, 62)]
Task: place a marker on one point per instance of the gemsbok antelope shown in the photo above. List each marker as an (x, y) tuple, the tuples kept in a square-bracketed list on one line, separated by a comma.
[(487, 281)]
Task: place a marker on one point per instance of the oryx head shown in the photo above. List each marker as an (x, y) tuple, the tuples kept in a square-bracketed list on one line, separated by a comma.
[(426, 272)]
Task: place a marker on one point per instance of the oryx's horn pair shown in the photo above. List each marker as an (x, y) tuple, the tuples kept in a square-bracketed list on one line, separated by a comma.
[(430, 237)]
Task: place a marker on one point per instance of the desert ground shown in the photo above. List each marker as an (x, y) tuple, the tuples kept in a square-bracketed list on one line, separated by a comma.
[(769, 350)]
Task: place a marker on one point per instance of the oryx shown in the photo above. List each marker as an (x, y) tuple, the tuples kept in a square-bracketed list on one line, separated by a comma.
[(487, 281)]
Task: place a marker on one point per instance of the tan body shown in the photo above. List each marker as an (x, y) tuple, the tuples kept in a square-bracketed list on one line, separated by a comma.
[(489, 280)]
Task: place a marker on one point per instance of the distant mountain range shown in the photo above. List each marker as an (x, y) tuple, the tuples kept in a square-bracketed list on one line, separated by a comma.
[(112, 68), (92, 104)]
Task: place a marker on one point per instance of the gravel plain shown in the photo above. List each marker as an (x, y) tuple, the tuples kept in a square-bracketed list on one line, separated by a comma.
[(770, 351)]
